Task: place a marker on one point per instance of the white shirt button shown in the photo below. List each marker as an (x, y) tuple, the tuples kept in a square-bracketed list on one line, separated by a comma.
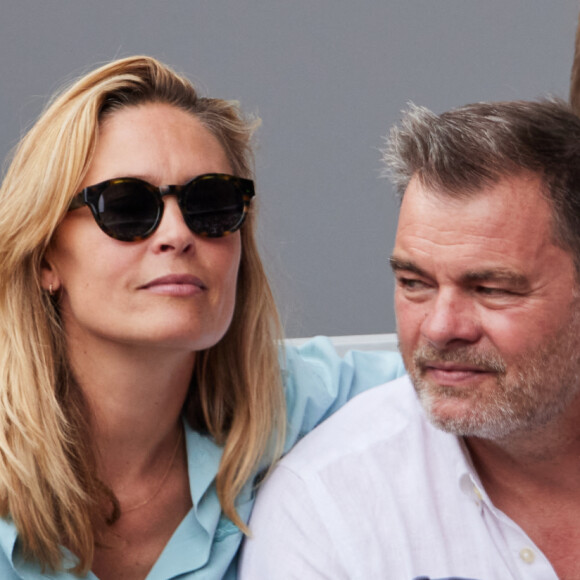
[(527, 555)]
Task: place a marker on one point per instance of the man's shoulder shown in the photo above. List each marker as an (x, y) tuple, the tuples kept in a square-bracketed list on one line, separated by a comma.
[(375, 417)]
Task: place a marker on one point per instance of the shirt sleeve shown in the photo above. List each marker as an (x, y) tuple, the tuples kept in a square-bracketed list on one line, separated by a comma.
[(318, 382), (289, 540)]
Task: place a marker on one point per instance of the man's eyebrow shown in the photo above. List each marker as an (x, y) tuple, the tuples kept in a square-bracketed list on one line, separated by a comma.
[(514, 279), (398, 264)]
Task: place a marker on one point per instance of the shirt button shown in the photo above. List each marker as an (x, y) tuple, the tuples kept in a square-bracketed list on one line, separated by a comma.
[(527, 555)]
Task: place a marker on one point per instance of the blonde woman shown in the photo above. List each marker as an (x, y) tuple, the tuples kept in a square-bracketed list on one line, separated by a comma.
[(141, 392)]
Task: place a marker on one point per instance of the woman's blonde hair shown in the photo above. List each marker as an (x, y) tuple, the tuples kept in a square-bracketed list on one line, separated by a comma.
[(48, 485)]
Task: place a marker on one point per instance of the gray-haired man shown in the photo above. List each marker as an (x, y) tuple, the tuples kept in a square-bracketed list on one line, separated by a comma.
[(468, 468)]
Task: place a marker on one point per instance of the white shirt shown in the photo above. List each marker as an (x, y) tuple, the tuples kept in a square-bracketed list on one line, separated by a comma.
[(378, 492)]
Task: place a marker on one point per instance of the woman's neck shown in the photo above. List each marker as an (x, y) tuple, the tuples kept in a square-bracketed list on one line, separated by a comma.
[(135, 400)]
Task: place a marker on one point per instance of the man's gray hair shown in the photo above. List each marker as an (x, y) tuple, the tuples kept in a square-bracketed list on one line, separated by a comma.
[(466, 149)]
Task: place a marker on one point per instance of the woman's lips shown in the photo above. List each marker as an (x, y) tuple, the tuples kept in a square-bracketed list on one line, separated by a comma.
[(175, 285)]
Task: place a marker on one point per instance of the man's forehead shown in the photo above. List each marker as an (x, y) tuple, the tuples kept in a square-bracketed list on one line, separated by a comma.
[(519, 197), (447, 190), (506, 225)]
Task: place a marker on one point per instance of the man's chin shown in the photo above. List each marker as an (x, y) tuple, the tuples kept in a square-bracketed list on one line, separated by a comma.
[(460, 416), (452, 415)]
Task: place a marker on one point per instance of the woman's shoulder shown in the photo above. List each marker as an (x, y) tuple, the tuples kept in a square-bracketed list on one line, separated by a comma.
[(8, 536), (318, 381)]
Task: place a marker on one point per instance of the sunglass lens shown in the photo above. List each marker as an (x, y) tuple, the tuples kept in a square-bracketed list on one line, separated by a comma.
[(213, 207), (128, 211)]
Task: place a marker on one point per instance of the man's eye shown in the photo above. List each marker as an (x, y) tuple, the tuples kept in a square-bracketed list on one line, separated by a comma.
[(493, 291), (412, 284)]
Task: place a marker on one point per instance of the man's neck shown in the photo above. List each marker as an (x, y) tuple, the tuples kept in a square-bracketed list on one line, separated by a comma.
[(546, 457), (533, 479)]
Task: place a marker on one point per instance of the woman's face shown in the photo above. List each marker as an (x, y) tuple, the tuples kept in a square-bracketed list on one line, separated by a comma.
[(174, 289)]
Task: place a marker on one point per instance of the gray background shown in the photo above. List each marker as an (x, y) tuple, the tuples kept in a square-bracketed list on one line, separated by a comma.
[(327, 77)]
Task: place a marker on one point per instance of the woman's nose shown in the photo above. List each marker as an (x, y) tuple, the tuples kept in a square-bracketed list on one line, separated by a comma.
[(173, 234)]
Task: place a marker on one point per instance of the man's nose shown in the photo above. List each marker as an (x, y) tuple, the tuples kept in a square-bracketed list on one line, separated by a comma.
[(451, 318)]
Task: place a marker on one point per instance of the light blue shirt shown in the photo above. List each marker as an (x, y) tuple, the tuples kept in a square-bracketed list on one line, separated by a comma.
[(204, 546)]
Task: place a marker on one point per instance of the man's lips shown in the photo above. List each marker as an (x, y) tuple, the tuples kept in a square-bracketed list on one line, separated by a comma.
[(453, 372), (454, 367), (175, 284)]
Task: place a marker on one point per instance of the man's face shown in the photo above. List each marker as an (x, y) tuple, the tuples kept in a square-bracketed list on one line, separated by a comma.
[(487, 314)]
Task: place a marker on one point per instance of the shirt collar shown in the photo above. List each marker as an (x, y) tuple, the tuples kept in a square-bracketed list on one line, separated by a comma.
[(203, 459), (467, 477), (203, 462)]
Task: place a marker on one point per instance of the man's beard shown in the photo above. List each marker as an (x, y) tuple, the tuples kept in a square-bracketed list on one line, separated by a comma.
[(528, 392)]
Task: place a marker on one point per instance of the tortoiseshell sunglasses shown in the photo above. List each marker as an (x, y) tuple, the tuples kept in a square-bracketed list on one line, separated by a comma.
[(130, 209)]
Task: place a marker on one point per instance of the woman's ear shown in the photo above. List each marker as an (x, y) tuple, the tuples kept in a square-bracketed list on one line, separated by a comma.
[(48, 277)]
